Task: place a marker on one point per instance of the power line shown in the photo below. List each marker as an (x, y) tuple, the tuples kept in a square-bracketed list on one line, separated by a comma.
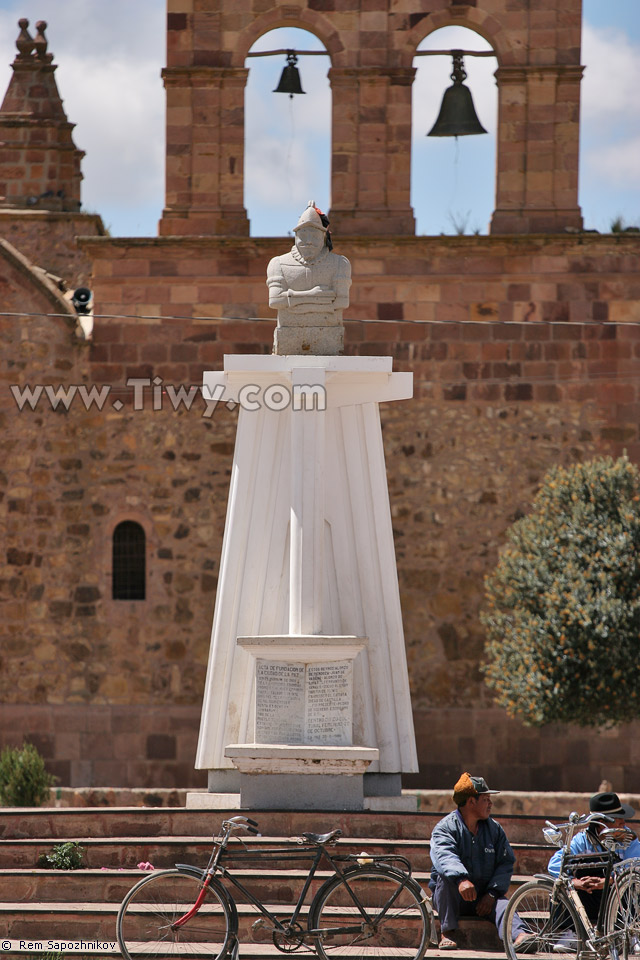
[(451, 321)]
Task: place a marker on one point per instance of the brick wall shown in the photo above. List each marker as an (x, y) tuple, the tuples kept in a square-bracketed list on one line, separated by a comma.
[(49, 239)]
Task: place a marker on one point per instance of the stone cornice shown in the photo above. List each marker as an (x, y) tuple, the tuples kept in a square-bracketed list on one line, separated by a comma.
[(522, 72), (100, 247), (184, 75)]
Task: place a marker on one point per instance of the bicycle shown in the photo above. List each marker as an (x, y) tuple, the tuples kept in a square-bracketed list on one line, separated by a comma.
[(553, 914), (370, 907)]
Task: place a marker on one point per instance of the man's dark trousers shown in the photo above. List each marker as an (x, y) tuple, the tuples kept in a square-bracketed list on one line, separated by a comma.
[(451, 906)]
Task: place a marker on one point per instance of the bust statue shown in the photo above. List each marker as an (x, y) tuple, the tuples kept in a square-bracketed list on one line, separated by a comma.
[(309, 287)]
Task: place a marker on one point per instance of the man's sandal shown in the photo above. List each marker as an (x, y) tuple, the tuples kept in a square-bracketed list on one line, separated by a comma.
[(446, 943)]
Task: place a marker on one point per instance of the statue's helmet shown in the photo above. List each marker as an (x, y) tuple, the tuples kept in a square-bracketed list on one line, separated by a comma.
[(312, 217)]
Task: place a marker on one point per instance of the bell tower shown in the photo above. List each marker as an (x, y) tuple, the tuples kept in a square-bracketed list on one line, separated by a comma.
[(371, 74), (372, 50)]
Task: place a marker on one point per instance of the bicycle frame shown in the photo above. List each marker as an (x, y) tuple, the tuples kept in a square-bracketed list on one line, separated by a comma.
[(304, 851)]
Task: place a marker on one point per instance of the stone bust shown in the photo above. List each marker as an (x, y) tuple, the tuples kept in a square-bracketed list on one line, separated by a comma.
[(309, 287)]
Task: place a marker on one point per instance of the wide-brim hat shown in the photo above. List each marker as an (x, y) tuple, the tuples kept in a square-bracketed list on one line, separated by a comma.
[(468, 786), (609, 804)]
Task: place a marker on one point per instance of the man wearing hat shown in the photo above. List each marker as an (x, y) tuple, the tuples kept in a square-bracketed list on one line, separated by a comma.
[(472, 863), (587, 841)]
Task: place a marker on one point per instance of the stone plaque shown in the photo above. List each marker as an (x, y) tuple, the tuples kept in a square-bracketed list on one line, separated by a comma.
[(279, 702), (300, 703), (328, 706)]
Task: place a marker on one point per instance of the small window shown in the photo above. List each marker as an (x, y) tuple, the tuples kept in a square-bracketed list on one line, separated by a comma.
[(129, 561)]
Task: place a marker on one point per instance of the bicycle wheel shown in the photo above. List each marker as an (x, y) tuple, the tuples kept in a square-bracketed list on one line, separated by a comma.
[(622, 912), (144, 924), (551, 928), (393, 921)]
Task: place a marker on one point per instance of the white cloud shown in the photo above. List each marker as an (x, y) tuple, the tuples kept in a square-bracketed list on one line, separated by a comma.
[(619, 161), (610, 126), (610, 83)]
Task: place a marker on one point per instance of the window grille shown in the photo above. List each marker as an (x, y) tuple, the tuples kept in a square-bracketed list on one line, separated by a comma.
[(129, 561)]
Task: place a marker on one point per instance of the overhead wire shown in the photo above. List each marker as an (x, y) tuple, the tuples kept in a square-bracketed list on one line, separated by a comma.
[(434, 322)]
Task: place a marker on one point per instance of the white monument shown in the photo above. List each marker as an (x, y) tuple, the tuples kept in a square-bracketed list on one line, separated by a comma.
[(306, 701)]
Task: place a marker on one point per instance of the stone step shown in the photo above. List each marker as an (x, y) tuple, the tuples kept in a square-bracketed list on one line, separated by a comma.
[(98, 920), (62, 823), (42, 886), (274, 886), (88, 950), (56, 921), (164, 852)]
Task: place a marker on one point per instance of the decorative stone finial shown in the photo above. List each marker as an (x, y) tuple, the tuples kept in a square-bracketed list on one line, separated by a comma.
[(24, 43), (40, 42)]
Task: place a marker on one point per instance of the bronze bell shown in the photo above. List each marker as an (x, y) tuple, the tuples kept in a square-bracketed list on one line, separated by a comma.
[(457, 117), (290, 79)]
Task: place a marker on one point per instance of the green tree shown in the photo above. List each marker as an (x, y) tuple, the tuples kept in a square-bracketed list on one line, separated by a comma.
[(563, 604)]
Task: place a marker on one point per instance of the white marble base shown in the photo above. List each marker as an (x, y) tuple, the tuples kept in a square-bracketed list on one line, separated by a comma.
[(406, 803), (277, 759), (212, 801), (294, 791)]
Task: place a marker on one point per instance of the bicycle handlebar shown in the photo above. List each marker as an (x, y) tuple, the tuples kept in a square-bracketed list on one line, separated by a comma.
[(240, 823), (580, 820)]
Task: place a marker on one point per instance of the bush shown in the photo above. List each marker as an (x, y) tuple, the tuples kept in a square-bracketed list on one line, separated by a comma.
[(563, 604), (64, 856), (24, 781)]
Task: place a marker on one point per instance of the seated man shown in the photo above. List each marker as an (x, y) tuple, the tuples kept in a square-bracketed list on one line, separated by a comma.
[(472, 863), (587, 841)]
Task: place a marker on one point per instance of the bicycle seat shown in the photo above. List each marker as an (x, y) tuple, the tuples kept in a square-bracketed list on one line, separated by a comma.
[(322, 837)]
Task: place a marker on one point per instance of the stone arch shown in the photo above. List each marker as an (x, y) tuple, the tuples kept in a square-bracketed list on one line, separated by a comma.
[(475, 19), (300, 17), (287, 155), (464, 168)]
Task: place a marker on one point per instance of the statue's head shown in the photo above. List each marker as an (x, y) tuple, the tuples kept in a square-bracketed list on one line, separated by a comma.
[(311, 232)]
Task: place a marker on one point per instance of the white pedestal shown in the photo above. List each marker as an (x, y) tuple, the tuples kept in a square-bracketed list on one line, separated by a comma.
[(307, 558)]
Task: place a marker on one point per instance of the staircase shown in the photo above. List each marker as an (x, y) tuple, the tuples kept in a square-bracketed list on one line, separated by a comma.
[(40, 910)]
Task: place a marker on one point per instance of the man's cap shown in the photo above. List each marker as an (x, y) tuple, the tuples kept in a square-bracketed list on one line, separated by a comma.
[(468, 786), (609, 804)]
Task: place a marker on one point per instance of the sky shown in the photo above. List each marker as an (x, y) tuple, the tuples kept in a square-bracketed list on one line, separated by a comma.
[(110, 55)]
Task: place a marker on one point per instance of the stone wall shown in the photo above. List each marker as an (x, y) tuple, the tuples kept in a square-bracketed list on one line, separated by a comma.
[(49, 240), (110, 689)]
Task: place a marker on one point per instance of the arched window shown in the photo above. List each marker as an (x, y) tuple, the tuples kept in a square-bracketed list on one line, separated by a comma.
[(453, 178), (129, 562), (287, 157)]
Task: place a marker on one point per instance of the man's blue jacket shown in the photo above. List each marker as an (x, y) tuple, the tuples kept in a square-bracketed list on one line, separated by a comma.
[(486, 858)]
